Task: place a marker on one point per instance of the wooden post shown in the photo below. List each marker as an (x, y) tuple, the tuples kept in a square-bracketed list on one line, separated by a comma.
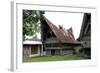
[(61, 52), (29, 51), (41, 47), (38, 52)]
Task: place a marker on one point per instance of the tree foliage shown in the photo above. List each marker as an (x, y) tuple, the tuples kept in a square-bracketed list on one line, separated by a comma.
[(31, 22)]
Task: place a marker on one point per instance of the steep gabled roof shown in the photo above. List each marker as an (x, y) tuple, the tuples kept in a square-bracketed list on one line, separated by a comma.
[(61, 35), (70, 31), (86, 26)]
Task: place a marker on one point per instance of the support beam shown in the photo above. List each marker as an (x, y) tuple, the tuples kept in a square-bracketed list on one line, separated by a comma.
[(41, 52), (61, 53)]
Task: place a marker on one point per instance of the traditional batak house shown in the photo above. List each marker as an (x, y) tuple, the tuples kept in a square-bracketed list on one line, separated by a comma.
[(57, 41), (85, 36)]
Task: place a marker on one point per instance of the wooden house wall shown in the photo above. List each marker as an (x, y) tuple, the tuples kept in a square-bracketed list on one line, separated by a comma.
[(26, 52), (50, 41), (31, 50)]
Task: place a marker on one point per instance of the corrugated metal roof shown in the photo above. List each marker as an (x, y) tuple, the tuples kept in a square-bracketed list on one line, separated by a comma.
[(32, 41)]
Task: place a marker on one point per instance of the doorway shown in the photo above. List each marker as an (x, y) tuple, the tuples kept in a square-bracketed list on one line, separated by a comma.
[(53, 52)]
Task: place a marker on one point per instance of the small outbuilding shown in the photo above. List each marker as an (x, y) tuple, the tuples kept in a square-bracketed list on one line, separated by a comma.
[(32, 48)]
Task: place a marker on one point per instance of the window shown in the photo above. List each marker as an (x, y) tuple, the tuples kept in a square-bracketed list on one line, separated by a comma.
[(34, 49)]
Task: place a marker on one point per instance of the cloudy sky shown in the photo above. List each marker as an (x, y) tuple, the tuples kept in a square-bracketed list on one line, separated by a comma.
[(68, 20)]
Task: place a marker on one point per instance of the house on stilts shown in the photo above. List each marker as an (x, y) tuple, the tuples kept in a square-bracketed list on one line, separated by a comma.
[(57, 41)]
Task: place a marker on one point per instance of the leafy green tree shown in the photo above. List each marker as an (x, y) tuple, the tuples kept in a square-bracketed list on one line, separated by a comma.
[(31, 23)]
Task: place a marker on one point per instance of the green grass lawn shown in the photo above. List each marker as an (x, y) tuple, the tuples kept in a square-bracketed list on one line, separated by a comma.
[(53, 58)]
